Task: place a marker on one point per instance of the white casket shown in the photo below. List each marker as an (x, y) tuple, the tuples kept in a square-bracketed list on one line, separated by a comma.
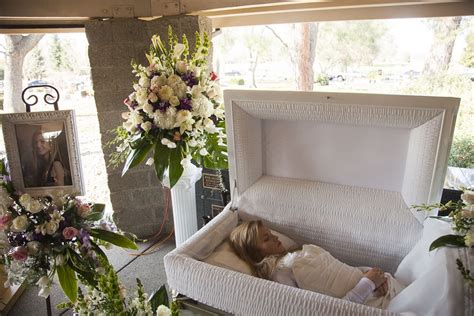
[(340, 171)]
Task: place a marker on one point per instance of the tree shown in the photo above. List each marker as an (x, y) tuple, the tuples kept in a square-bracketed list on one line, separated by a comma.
[(445, 31), (16, 48), (59, 54), (35, 64), (344, 44), (301, 53)]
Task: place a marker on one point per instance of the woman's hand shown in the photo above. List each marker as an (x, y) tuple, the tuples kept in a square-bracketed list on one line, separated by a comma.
[(382, 289), (376, 275)]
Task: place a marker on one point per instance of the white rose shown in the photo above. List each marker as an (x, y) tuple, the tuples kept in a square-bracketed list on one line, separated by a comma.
[(146, 126), (35, 207), (25, 199), (165, 93), (162, 310), (178, 50), (142, 96), (181, 66), (33, 247), (148, 108), (158, 81), (152, 97), (51, 227), (174, 101), (144, 81), (20, 223), (203, 152), (178, 85)]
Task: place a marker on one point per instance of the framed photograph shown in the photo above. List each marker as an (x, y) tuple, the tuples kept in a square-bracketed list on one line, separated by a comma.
[(43, 152)]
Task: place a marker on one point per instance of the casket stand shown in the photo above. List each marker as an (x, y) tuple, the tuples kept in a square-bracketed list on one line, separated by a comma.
[(336, 170)]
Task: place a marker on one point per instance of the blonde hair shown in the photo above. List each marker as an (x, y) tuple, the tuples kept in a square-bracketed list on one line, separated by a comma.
[(244, 239)]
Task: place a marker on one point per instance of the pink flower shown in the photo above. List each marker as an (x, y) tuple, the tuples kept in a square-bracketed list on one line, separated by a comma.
[(19, 253), (4, 220), (70, 232)]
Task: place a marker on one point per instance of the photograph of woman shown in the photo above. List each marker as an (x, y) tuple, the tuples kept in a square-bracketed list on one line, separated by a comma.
[(44, 155)]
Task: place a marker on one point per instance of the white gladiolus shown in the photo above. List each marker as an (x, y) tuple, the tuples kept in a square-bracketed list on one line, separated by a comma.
[(192, 143), (146, 126), (203, 152), (178, 50), (150, 161)]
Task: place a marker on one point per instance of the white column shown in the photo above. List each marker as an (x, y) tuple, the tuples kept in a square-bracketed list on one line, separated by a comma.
[(183, 198)]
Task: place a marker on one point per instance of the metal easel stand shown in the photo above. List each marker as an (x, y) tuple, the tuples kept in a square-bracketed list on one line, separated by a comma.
[(51, 99)]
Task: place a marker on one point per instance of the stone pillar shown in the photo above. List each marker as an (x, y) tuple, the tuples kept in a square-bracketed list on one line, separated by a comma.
[(138, 197)]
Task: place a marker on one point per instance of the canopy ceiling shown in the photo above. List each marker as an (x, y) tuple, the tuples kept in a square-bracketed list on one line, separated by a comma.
[(20, 14)]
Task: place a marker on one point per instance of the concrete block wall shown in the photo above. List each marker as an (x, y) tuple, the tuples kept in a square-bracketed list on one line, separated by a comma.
[(137, 198)]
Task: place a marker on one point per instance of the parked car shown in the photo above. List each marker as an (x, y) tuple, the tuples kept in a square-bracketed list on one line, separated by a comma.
[(37, 82)]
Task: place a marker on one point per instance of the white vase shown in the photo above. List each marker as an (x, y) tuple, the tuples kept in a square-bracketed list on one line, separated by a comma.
[(183, 199)]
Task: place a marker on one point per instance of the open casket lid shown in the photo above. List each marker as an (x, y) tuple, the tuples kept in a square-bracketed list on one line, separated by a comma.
[(339, 162)]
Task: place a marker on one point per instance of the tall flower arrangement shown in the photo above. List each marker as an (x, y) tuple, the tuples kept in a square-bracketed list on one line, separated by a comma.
[(462, 219), (175, 111), (47, 236)]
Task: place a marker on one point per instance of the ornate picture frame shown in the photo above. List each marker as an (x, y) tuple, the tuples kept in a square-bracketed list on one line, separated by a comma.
[(43, 152)]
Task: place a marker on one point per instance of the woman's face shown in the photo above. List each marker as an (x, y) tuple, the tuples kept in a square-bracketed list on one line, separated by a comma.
[(268, 244), (42, 146)]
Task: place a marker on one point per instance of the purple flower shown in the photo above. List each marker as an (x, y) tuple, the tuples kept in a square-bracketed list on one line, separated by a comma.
[(189, 79), (185, 104)]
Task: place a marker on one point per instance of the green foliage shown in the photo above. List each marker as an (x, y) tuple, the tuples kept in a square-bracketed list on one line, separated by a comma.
[(322, 80), (448, 240), (35, 64), (119, 154), (462, 153), (113, 238), (159, 297), (68, 281), (60, 55)]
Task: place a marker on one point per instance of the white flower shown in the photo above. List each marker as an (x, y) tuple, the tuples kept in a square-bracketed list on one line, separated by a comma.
[(144, 81), (20, 223), (136, 118), (192, 142), (162, 310), (43, 282), (178, 85), (165, 120), (181, 66), (56, 216), (183, 116), (168, 143), (219, 112), (25, 199), (33, 247), (152, 97), (125, 115), (158, 81), (186, 161), (202, 106), (178, 50), (44, 292), (148, 108), (203, 152), (150, 161), (196, 91), (209, 126), (165, 93), (146, 126), (51, 227), (34, 207), (142, 96), (469, 238), (174, 101), (129, 126)]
